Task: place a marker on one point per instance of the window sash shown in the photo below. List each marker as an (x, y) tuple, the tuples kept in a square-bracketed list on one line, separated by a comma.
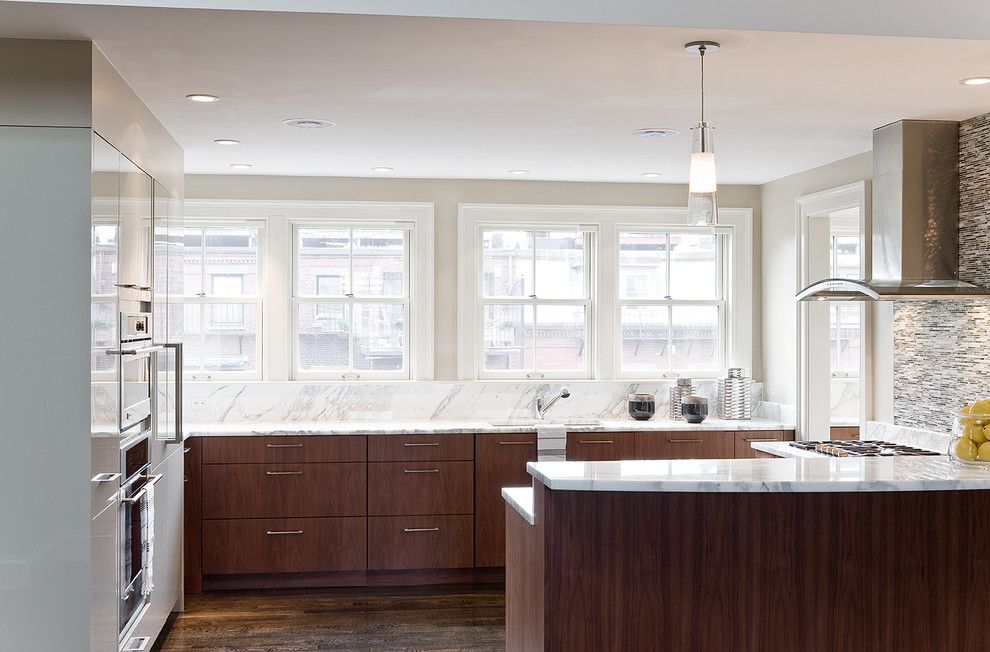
[(200, 372), (586, 301), (350, 299), (205, 287), (723, 250)]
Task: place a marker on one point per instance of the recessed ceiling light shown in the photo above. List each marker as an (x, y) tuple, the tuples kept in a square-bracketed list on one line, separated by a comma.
[(203, 98), (307, 123), (227, 141), (655, 132), (652, 175), (381, 169), (518, 172), (975, 81), (241, 166)]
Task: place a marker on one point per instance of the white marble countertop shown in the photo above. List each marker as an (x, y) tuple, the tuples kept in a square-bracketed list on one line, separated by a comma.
[(763, 475), (457, 427), (521, 499), (784, 449)]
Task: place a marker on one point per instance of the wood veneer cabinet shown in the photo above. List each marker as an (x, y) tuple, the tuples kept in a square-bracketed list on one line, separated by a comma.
[(417, 488), (500, 461), (686, 444), (601, 446), (745, 439)]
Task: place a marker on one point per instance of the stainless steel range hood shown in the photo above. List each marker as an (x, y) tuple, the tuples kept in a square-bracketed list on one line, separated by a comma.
[(915, 239)]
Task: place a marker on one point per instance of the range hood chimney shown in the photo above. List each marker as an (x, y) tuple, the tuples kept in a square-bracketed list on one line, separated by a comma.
[(915, 239)]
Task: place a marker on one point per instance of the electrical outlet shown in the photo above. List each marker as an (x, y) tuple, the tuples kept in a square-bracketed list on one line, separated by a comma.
[(200, 404)]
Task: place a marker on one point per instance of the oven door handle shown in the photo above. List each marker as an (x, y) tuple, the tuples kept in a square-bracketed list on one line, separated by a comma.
[(177, 347), (152, 480), (144, 350)]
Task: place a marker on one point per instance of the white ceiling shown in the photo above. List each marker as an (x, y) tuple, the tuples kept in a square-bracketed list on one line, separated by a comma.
[(461, 98)]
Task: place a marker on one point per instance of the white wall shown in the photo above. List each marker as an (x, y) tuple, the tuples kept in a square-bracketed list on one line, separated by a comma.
[(446, 195), (779, 266)]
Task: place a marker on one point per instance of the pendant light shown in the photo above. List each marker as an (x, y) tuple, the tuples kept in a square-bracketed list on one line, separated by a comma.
[(702, 205)]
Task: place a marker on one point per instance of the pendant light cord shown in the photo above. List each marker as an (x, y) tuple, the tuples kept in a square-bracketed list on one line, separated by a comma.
[(701, 51)]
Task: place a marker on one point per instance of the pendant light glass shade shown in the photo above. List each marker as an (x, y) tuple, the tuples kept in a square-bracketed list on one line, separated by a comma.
[(702, 204)]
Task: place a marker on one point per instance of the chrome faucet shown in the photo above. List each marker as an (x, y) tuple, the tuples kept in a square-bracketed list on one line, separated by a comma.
[(543, 405)]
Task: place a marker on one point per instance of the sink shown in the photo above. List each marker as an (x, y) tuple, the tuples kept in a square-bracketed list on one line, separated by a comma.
[(532, 423)]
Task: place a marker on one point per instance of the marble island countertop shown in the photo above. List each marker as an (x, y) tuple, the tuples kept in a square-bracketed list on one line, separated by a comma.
[(397, 427), (763, 475)]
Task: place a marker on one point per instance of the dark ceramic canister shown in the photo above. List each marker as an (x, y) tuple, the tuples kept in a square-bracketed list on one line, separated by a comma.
[(642, 406), (694, 408)]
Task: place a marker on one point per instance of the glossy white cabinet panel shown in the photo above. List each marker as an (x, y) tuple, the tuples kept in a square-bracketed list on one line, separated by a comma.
[(45, 388), (103, 581)]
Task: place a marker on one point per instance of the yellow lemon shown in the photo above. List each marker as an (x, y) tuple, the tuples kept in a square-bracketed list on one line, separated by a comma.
[(983, 453), (965, 449), (974, 432), (981, 407), (986, 433)]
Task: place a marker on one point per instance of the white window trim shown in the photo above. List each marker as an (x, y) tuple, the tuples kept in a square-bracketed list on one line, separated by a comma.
[(279, 217), (606, 221)]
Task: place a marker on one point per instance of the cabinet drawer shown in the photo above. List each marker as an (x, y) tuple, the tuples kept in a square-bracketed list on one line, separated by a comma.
[(407, 488), (410, 448), (283, 490), (685, 444), (598, 446), (408, 542), (278, 449), (285, 545), (744, 450)]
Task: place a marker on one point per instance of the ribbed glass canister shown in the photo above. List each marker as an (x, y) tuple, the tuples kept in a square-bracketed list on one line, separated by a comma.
[(734, 395), (682, 388)]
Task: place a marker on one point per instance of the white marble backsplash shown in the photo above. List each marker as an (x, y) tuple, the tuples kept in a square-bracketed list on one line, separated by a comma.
[(927, 439), (775, 411), (245, 402)]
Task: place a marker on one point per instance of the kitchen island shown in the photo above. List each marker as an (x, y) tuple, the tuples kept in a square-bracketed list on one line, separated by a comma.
[(764, 554)]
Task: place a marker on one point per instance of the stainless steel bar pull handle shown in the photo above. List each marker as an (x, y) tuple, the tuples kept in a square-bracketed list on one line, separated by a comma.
[(421, 470), (516, 443), (101, 478), (420, 529), (285, 445), (748, 439), (141, 351), (152, 479), (684, 441), (412, 444), (283, 472), (273, 533), (597, 441)]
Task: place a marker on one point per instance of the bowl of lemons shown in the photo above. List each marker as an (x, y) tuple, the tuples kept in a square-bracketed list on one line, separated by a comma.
[(971, 435)]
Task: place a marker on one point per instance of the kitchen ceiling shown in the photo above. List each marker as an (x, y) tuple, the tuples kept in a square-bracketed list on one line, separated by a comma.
[(459, 98)]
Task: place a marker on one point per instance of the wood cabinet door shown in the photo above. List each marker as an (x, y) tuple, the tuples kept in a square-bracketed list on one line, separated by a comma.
[(284, 449), (844, 433), (410, 488), (287, 545), (284, 490), (601, 446), (500, 461), (411, 542), (745, 439), (411, 448), (685, 445)]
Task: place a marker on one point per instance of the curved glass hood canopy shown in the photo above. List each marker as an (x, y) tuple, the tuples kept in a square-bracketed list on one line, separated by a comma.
[(915, 220)]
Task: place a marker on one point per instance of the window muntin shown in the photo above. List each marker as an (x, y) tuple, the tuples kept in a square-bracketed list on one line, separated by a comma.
[(671, 301), (222, 301), (535, 302), (351, 291)]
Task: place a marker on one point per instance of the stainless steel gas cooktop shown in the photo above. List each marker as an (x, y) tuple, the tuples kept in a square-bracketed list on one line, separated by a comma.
[(865, 448)]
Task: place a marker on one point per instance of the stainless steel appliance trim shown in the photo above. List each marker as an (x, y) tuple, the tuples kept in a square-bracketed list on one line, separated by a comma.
[(177, 347), (283, 472), (101, 478), (136, 644)]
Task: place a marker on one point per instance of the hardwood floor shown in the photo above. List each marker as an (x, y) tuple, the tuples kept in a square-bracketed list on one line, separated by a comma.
[(405, 618)]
